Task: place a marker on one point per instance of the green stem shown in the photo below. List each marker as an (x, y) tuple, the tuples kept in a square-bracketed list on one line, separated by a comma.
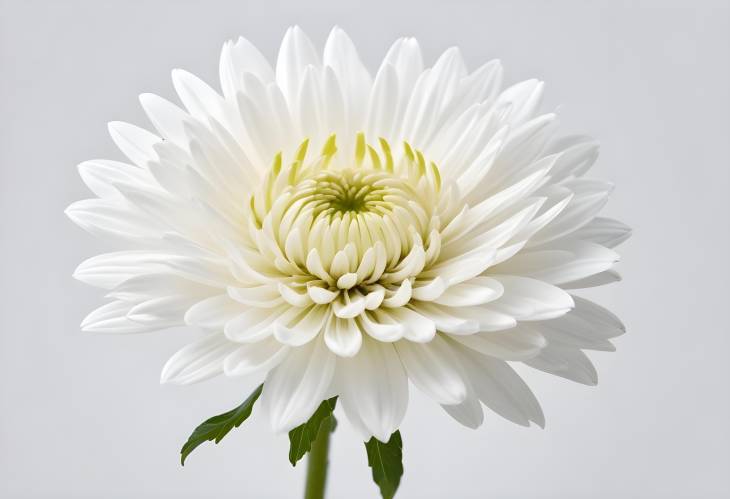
[(317, 461)]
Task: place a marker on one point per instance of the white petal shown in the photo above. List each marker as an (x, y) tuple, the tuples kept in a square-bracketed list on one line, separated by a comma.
[(264, 296), (429, 290), (560, 263), (604, 231), (586, 320), (159, 284), (247, 359), (213, 312), (113, 219), (320, 295), (341, 55), (600, 279), (197, 361), (239, 57), (294, 297), (383, 102), (254, 324), (303, 327), (580, 210), (108, 270), (528, 299), (112, 318), (164, 311), (199, 99), (485, 318), (476, 291), (295, 54), (418, 327), (577, 155), (462, 268), (101, 175), (400, 297), (500, 388), (136, 143), (524, 98), (294, 390), (518, 343), (446, 319), (469, 413), (374, 298), (343, 336), (348, 305), (375, 388), (434, 369), (566, 362), (167, 118), (381, 326)]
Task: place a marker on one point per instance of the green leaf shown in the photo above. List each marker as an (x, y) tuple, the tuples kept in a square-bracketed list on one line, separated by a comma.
[(301, 437), (386, 460), (218, 426)]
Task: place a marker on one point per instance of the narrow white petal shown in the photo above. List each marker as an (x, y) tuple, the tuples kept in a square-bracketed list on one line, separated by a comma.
[(254, 324), (560, 263), (375, 388), (295, 54), (198, 361), (301, 325), (518, 343), (108, 270), (566, 362), (469, 412), (101, 175), (112, 318), (349, 305), (381, 326), (600, 279), (433, 368), (247, 359), (605, 231), (343, 336), (528, 299), (486, 318), (264, 296), (476, 291), (158, 284), (446, 319), (113, 219), (213, 312), (294, 390), (580, 210), (239, 57), (400, 296), (417, 327), (165, 311), (199, 99), (167, 118), (136, 143), (500, 388), (589, 319)]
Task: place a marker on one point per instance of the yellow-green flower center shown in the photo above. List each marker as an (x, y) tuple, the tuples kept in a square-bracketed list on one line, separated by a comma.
[(354, 191), (371, 203)]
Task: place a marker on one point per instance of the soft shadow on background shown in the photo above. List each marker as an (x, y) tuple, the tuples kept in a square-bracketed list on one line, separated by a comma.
[(83, 416)]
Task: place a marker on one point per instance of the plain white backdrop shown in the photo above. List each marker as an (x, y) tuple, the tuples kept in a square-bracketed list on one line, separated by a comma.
[(83, 416)]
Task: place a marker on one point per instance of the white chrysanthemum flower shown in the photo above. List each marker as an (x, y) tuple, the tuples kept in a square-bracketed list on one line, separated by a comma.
[(344, 234)]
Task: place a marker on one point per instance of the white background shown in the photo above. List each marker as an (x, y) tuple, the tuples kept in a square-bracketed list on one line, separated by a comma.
[(84, 415)]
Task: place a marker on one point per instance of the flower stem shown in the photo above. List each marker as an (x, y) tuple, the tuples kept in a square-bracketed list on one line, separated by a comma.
[(318, 461)]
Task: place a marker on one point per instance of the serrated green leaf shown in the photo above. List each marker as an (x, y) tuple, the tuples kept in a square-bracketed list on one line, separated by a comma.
[(301, 437), (218, 426), (386, 460)]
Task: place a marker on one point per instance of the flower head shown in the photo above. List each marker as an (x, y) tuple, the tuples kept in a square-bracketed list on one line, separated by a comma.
[(341, 234)]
